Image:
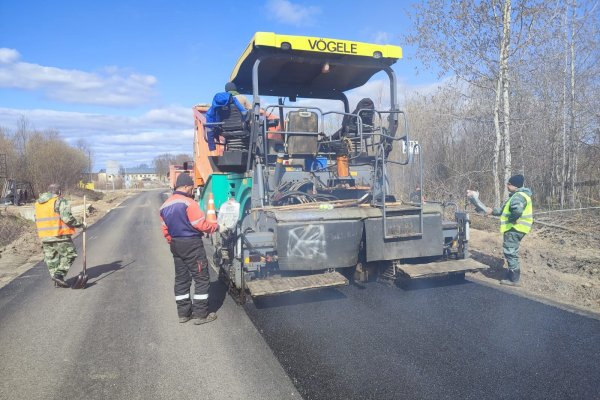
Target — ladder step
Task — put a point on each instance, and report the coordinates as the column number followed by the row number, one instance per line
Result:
column 266, row 287
column 441, row 268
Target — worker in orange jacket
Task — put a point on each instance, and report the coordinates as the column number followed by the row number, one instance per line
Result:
column 183, row 225
column 55, row 225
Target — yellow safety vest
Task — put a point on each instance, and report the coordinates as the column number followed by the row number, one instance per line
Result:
column 525, row 221
column 48, row 221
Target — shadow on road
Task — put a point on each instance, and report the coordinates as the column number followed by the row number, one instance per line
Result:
column 216, row 294
column 289, row 299
column 496, row 264
column 101, row 272
column 427, row 283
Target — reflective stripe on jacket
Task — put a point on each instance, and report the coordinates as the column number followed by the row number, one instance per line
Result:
column 524, row 222
column 48, row 221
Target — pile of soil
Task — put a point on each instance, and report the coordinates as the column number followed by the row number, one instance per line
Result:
column 11, row 228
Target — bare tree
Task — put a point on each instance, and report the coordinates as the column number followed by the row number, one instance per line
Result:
column 473, row 40
column 549, row 127
column 161, row 164
column 86, row 149
column 51, row 160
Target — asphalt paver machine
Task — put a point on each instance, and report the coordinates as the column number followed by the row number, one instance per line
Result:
column 314, row 191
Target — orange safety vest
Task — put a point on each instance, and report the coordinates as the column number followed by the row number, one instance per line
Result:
column 48, row 221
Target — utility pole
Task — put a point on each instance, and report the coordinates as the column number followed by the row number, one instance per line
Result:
column 90, row 165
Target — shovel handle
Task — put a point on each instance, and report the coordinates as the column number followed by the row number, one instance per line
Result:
column 84, row 229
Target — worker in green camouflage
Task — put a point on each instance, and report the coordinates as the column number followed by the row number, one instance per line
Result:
column 56, row 224
column 516, row 219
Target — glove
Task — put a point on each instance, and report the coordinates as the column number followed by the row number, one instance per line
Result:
column 223, row 229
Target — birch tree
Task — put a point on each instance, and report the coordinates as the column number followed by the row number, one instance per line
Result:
column 504, row 83
column 472, row 41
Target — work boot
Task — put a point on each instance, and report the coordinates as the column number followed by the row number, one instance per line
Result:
column 59, row 281
column 183, row 320
column 209, row 318
column 513, row 279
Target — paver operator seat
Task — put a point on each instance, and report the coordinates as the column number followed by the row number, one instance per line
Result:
column 227, row 126
column 365, row 109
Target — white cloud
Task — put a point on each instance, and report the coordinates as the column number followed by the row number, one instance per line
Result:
column 286, row 12
column 169, row 115
column 128, row 140
column 110, row 87
column 8, row 56
column 382, row 38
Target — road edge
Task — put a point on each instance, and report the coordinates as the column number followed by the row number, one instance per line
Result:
column 540, row 299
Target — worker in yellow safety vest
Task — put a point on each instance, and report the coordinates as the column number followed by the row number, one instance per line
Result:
column 55, row 225
column 516, row 219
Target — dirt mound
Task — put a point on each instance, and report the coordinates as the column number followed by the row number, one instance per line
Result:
column 11, row 228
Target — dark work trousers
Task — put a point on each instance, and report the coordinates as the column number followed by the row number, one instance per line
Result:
column 511, row 244
column 190, row 262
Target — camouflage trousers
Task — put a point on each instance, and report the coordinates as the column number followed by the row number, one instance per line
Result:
column 59, row 256
column 512, row 242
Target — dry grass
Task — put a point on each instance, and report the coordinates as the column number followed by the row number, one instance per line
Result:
column 11, row 228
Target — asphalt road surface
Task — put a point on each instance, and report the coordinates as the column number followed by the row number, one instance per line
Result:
column 449, row 340
column 120, row 338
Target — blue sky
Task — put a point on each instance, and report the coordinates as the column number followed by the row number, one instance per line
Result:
column 124, row 75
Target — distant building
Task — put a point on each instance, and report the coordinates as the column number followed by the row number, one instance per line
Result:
column 108, row 181
column 140, row 174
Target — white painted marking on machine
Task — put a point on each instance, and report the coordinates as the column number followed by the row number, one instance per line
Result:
column 307, row 242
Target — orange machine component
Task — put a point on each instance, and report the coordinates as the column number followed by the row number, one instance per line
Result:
column 202, row 166
column 272, row 135
column 342, row 166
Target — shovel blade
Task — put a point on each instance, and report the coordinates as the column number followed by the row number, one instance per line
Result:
column 81, row 281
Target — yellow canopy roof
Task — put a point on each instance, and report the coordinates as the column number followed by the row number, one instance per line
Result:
column 294, row 65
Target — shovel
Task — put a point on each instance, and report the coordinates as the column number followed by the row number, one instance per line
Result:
column 82, row 278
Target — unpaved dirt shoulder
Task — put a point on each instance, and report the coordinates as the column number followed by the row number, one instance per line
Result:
column 23, row 253
column 558, row 268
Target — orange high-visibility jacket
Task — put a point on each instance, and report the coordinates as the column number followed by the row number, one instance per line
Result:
column 48, row 221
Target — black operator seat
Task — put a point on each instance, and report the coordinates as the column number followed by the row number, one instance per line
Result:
column 365, row 109
column 233, row 121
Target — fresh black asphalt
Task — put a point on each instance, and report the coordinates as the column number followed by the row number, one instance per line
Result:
column 448, row 340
